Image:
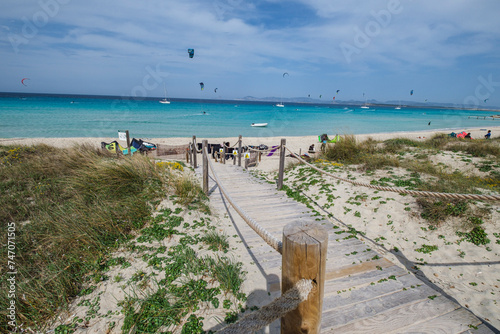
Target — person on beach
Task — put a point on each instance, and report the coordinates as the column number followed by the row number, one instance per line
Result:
column 467, row 136
column 488, row 135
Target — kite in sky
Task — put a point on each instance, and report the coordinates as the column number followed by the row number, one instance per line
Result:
column 202, row 85
column 411, row 93
column 338, row 90
column 286, row 73
column 191, row 53
column 215, row 90
column 22, row 81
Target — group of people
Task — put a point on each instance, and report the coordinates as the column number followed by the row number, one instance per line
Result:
column 486, row 136
column 467, row 135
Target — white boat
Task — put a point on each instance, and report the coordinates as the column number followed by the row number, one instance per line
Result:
column 259, row 124
column 281, row 105
column 165, row 100
column 366, row 102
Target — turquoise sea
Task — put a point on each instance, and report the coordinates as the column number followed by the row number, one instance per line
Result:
column 31, row 116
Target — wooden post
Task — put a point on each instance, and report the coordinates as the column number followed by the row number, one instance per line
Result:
column 305, row 247
column 191, row 154
column 260, row 156
column 246, row 163
column 224, row 154
column 195, row 152
column 128, row 142
column 205, row 166
column 282, row 164
column 239, row 151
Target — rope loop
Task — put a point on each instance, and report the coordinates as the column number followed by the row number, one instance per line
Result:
column 289, row 301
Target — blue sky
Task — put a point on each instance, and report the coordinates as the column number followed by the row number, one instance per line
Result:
column 447, row 51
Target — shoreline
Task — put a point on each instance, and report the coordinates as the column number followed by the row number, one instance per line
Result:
column 294, row 142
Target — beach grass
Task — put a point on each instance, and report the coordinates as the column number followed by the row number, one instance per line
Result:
column 372, row 155
column 71, row 208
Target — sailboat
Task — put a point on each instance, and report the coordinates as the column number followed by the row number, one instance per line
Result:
column 165, row 100
column 365, row 106
column 281, row 105
column 399, row 106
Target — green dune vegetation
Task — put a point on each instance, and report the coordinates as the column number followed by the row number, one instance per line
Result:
column 72, row 209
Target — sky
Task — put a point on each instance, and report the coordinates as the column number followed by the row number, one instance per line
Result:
column 446, row 51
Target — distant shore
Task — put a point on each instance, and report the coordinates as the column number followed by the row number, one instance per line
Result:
column 266, row 100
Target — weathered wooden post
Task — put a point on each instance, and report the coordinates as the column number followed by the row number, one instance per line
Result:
column 195, row 152
column 205, row 166
column 260, row 155
column 282, row 164
column 187, row 155
column 305, row 247
column 224, row 154
column 128, row 142
column 239, row 151
column 191, row 154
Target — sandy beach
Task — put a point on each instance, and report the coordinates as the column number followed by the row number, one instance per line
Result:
column 295, row 143
column 467, row 273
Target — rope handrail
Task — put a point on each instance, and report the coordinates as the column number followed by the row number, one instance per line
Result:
column 289, row 301
column 268, row 237
column 264, row 151
column 402, row 190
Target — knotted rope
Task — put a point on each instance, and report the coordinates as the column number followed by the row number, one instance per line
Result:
column 402, row 190
column 268, row 237
column 276, row 309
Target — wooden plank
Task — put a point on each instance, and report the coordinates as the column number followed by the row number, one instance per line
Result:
column 356, row 293
column 358, row 268
column 454, row 322
column 366, row 318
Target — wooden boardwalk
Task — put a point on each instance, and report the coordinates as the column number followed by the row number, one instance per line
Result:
column 364, row 292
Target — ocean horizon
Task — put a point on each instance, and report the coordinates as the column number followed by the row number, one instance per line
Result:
column 65, row 116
